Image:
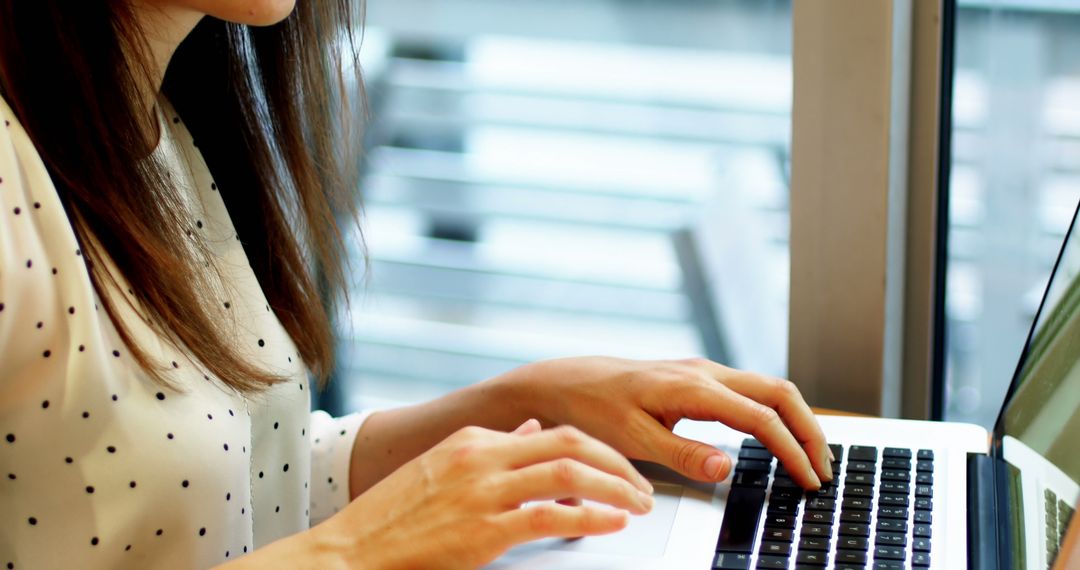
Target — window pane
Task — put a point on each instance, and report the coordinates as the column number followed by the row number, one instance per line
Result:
column 557, row 179
column 1015, row 185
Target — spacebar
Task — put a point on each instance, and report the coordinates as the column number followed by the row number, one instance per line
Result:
column 740, row 519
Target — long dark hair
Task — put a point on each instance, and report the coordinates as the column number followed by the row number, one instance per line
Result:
column 271, row 111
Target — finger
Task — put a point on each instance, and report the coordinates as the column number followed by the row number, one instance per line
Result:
column 555, row 520
column 693, row 459
column 569, row 442
column 784, row 397
column 719, row 403
column 531, row 425
column 568, row 478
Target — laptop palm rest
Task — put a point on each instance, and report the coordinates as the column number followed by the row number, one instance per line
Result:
column 644, row 537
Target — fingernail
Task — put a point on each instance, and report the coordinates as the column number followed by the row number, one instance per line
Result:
column 831, row 456
column 828, row 466
column 814, row 479
column 646, row 501
column 715, row 466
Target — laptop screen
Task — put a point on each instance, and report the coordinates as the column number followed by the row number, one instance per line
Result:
column 1043, row 411
column 1039, row 426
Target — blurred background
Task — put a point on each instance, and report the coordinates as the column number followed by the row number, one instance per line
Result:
column 576, row 177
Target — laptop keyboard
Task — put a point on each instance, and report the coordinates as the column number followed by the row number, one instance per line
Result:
column 876, row 513
column 1058, row 516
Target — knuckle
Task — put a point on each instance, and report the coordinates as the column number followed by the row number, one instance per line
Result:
column 765, row 415
column 787, row 389
column 464, row 456
column 569, row 435
column 470, row 432
column 684, row 455
column 564, row 473
column 542, row 519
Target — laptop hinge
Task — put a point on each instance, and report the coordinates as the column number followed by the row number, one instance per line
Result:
column 982, row 513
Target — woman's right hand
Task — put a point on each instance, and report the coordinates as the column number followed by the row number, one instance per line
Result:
column 463, row 503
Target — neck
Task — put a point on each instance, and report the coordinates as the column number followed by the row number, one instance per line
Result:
column 165, row 27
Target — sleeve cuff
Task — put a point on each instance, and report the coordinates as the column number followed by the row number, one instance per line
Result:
column 331, row 456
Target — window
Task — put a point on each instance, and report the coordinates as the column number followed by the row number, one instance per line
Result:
column 557, row 179
column 1014, row 186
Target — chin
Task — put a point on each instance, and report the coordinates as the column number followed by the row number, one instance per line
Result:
column 249, row 12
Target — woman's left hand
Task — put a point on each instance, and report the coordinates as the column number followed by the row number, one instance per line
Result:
column 634, row 405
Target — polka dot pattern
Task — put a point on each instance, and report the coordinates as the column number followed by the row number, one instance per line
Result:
column 101, row 466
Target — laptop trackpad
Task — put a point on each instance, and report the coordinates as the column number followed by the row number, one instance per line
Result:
column 643, row 537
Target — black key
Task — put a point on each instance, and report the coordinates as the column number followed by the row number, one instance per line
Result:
column 780, row 521
column 750, row 479
column 859, row 491
column 888, row 565
column 785, row 494
column 892, row 513
column 821, row 505
column 924, row 478
column 924, row 504
column 784, row 483
column 920, row 544
column 819, row 530
column 927, row 454
column 854, row 529
column 891, row 539
column 853, row 543
column 924, row 491
column 850, row 557
column 731, row 561
column 855, row 516
column 751, row 442
column 755, row 453
column 849, row 567
column 776, row 548
column 778, row 534
column 837, row 451
column 860, row 479
column 861, row 467
column 817, row 517
column 925, row 466
column 825, row 492
column 920, row 559
column 856, row 504
column 899, row 452
column 894, row 487
column 814, row 543
column 882, row 551
column 894, row 475
column 862, row 453
column 896, row 463
column 893, row 500
column 891, row 525
column 741, row 517
column 922, row 530
column 753, row 465
column 779, row 562
column 782, row 471
column 783, row 508
column 812, row 557
column 924, row 517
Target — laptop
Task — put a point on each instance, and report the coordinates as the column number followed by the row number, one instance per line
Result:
column 908, row 494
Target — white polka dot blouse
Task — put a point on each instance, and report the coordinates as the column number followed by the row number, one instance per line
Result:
column 100, row 466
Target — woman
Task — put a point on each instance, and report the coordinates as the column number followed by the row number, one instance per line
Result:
column 159, row 318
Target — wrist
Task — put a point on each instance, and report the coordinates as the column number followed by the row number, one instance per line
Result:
column 523, row 393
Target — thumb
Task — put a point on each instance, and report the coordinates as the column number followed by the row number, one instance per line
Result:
column 691, row 458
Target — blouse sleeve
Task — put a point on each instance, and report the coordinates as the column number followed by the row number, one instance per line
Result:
column 331, row 454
